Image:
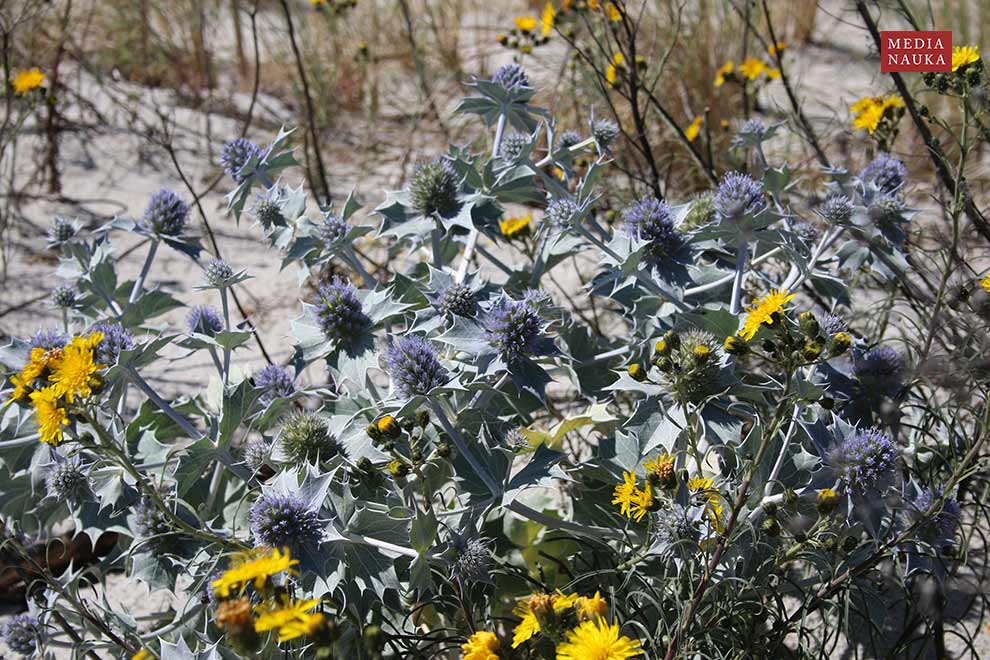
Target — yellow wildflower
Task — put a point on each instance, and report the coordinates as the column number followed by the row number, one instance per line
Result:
column 525, row 23
column 963, row 55
column 75, row 373
column 691, row 132
column 599, row 640
column 752, row 68
column 28, row 80
column 143, row 654
column 773, row 74
column 613, row 12
column 985, row 283
column 662, row 466
column 512, row 227
column 633, row 501
column 482, row 645
column 274, row 616
column 762, row 311
column 234, row 613
column 51, row 417
column 778, row 47
column 40, row 361
column 593, row 5
column 697, row 484
column 722, row 72
column 612, row 71
column 869, row 110
column 254, row 566
column 306, row 625
column 590, row 609
column 545, row 605
column 546, row 19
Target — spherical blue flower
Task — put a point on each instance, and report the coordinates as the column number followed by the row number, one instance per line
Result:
column 21, row 634
column 204, row 320
column 284, row 521
column 560, row 212
column 604, row 130
column 837, row 209
column 339, row 311
column 333, row 231
column 116, row 338
column 48, row 339
column 515, row 330
column 235, row 155
column 472, row 560
column 511, row 77
column 149, row 521
column 218, row 273
column 831, row 324
column 738, row 195
column 940, row 529
column 434, row 187
column 166, row 214
column 512, row 146
column 414, row 367
column 651, row 220
column 673, row 524
column 886, row 172
column 61, row 230
column 67, row 482
column 64, row 296
column 863, row 459
column 255, row 453
column 275, row 382
column 879, row 370
column 306, row 438
column 459, row 300
column 267, row 210
column 568, row 139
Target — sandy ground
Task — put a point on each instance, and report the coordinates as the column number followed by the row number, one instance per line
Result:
column 115, row 172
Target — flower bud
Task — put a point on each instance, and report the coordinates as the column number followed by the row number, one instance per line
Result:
column 735, row 345
column 389, row 427
column 839, row 344
column 771, row 527
column 808, row 324
column 636, row 372
column 812, row 351
column 826, row 501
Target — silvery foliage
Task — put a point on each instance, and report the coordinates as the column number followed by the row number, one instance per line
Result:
column 372, row 539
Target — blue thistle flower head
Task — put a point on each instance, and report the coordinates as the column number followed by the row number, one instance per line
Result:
column 837, row 209
column 284, row 521
column 275, row 382
column 512, row 146
column 48, row 339
column 472, row 560
column 651, row 220
column 255, row 453
column 434, row 187
column 61, row 230
column 64, row 296
column 21, row 634
column 166, row 214
column 940, row 529
column 66, row 481
column 116, row 338
column 235, row 155
column 831, row 324
column 218, row 273
column 339, row 312
column 862, row 459
column 738, row 195
column 604, row 131
column 560, row 212
column 885, row 172
column 204, row 320
column 333, row 231
column 511, row 77
column 515, row 330
column 879, row 370
column 149, row 521
column 458, row 300
column 568, row 139
column 413, row 365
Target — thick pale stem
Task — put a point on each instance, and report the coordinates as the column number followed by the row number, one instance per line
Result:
column 742, row 253
column 139, row 283
column 162, row 405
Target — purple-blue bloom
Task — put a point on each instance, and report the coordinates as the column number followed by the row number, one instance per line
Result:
column 414, row 368
column 333, row 231
column 940, row 529
column 166, row 214
column 116, row 338
column 511, row 77
column 459, row 300
column 339, row 311
column 837, row 209
column 275, row 382
column 738, row 195
column 48, row 339
column 879, row 370
column 650, row 220
column 515, row 330
column 21, row 634
column 235, row 155
column 887, row 172
column 560, row 212
column 204, row 320
column 862, row 459
column 284, row 521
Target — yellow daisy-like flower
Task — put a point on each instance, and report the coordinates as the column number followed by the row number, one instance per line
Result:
column 662, row 466
column 546, row 604
column 525, row 23
column 546, row 19
column 985, row 283
column 612, row 12
column 963, row 55
column 590, row 609
column 722, row 72
column 691, row 132
column 75, row 373
column 752, row 68
column 512, row 227
column 869, row 111
column 143, row 654
column 482, row 645
column 773, row 74
column 275, row 616
column 598, row 640
column 697, row 484
column 633, row 502
column 778, row 47
column 28, row 80
column 306, row 625
column 51, row 417
column 713, row 507
column 762, row 311
column 612, row 71
column 40, row 361
column 254, row 566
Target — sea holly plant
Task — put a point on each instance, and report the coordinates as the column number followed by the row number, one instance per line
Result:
column 458, row 460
